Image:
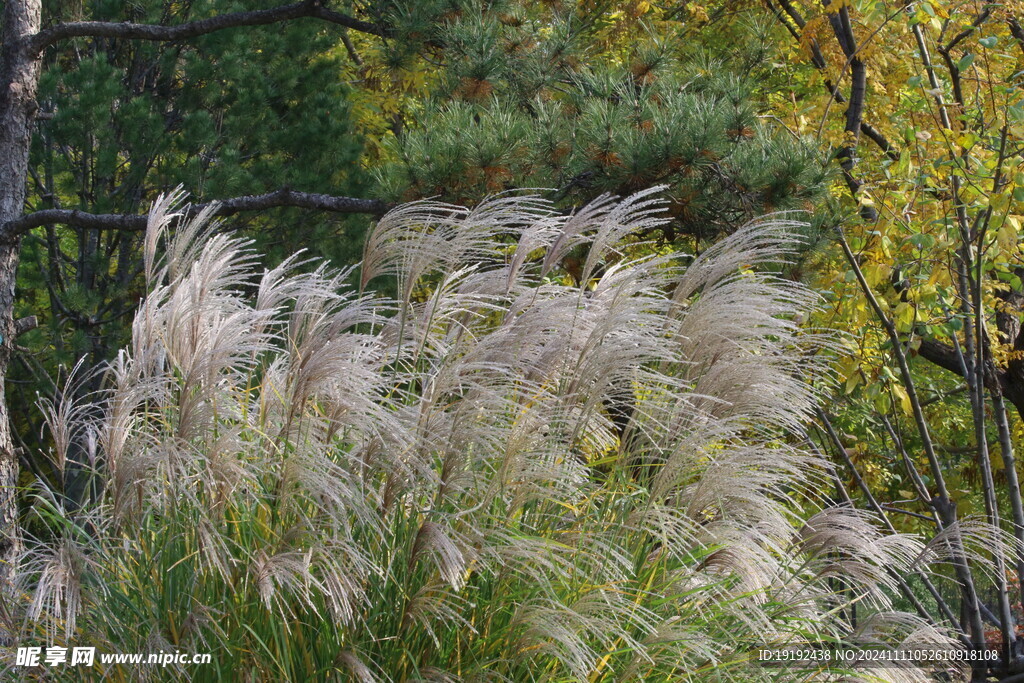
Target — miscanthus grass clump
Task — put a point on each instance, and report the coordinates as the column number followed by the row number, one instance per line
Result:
column 501, row 474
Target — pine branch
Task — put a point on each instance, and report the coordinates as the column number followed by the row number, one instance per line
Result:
column 23, row 325
column 192, row 29
column 227, row 207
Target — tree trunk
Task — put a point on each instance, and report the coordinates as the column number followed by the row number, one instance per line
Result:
column 19, row 77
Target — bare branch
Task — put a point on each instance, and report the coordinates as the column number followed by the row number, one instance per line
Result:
column 1006, row 382
column 891, row 508
column 818, row 59
column 351, row 49
column 23, row 325
column 975, row 25
column 940, row 354
column 1016, row 31
column 192, row 29
column 875, row 136
column 226, row 207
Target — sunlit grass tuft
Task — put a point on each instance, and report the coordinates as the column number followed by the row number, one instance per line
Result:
column 503, row 475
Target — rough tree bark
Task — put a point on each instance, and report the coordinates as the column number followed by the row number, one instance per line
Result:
column 19, row 78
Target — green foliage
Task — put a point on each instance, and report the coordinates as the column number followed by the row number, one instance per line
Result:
column 236, row 112
column 521, row 104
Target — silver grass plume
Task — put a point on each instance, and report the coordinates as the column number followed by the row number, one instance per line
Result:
column 505, row 474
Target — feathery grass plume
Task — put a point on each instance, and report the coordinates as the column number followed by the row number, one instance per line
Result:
column 900, row 633
column 975, row 537
column 507, row 474
column 844, row 543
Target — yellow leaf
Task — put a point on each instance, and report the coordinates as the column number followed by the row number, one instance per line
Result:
column 851, row 382
column 903, row 316
column 875, row 273
column 905, row 404
column 1007, row 235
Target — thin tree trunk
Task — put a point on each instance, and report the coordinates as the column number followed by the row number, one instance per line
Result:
column 942, row 503
column 1012, row 481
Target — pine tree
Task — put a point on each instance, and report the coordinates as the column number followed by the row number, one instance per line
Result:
column 237, row 112
column 581, row 104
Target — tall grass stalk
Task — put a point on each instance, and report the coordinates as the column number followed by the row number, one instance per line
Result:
column 505, row 474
